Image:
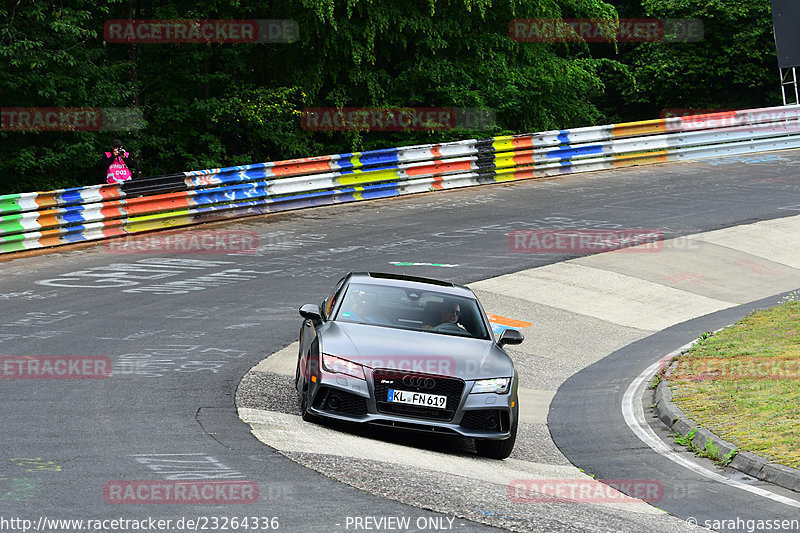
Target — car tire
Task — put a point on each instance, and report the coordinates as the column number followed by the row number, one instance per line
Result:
column 304, row 414
column 498, row 449
column 302, row 389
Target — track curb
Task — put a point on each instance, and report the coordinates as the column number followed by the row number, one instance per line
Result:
column 747, row 462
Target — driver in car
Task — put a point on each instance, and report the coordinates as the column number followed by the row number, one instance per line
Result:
column 448, row 319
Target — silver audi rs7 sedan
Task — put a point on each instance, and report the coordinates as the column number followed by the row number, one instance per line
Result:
column 409, row 353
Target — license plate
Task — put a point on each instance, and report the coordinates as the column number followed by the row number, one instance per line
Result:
column 417, row 398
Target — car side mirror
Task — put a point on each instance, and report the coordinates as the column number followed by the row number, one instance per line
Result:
column 311, row 312
column 510, row 336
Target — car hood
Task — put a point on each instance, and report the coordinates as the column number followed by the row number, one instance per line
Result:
column 421, row 351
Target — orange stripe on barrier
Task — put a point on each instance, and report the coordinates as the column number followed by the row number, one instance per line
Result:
column 524, row 158
column 112, row 210
column 111, row 192
column 513, row 176
column 300, row 168
column 510, row 322
column 644, row 127
column 152, row 204
column 523, row 142
column 48, row 219
column 114, row 228
column 46, row 199
column 51, row 237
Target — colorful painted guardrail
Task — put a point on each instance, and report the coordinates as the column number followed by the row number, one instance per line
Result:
column 42, row 219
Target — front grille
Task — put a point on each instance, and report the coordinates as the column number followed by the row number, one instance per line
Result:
column 341, row 402
column 486, row 420
column 385, row 379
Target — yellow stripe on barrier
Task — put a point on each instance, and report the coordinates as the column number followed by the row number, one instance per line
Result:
column 158, row 221
column 512, row 174
column 647, row 158
column 359, row 176
column 503, row 144
column 644, row 127
column 505, row 160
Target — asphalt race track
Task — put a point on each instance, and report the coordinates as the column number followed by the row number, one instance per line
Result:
column 180, row 331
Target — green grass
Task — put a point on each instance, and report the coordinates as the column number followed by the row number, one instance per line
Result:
column 743, row 383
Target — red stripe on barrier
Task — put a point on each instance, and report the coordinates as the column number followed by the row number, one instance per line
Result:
column 114, row 228
column 523, row 159
column 112, row 209
column 522, row 142
column 301, row 166
column 111, row 192
column 153, row 204
column 439, row 167
column 523, row 174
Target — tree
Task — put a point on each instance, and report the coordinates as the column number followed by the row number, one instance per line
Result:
column 53, row 56
column 734, row 66
column 210, row 105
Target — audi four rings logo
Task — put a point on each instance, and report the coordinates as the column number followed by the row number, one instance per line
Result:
column 419, row 382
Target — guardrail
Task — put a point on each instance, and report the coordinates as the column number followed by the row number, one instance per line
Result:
column 65, row 216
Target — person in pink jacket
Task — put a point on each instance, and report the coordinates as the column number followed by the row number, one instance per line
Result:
column 116, row 164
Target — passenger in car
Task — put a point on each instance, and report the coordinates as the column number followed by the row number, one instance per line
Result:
column 363, row 307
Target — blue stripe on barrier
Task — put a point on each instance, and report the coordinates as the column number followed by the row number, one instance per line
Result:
column 252, row 174
column 232, row 193
column 377, row 157
column 73, row 215
column 369, row 195
column 563, row 137
column 346, row 161
column 72, row 196
column 211, row 208
column 569, row 153
column 74, row 234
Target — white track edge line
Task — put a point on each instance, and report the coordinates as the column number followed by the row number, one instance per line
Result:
column 634, row 416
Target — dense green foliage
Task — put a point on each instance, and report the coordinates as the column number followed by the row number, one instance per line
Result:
column 212, row 105
column 734, row 66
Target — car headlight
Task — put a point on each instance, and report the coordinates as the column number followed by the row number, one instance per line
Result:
column 497, row 385
column 337, row 365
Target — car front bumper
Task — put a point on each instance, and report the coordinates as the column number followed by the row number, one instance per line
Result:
column 484, row 416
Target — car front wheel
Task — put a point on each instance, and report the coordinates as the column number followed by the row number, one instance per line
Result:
column 302, row 387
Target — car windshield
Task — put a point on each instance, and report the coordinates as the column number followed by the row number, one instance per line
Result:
column 398, row 307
